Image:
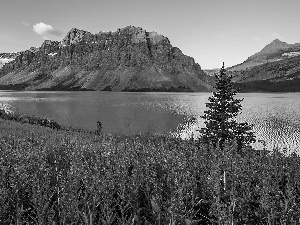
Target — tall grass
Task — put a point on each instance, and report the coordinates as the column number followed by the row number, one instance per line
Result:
column 50, row 176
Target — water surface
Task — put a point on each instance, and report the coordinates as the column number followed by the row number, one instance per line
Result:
column 276, row 117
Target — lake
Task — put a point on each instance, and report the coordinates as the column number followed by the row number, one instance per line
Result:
column 276, row 117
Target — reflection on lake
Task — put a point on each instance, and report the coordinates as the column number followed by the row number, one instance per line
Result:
column 276, row 117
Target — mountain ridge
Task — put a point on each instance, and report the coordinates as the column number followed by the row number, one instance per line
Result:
column 275, row 51
column 276, row 68
column 129, row 59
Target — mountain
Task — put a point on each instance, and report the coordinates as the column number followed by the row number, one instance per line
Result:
column 129, row 59
column 7, row 57
column 275, row 51
column 212, row 72
column 280, row 76
column 276, row 68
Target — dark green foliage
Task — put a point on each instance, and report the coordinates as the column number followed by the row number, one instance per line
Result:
column 99, row 127
column 269, row 86
column 223, row 108
column 163, row 88
column 278, row 76
column 67, row 177
column 45, row 122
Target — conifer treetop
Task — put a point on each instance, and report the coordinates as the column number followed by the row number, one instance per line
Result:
column 220, row 118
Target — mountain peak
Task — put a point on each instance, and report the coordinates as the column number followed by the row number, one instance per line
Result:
column 74, row 36
column 48, row 42
column 277, row 41
column 74, row 29
column 274, row 46
column 274, row 51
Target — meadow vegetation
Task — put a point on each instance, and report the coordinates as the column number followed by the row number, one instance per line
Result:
column 50, row 176
column 53, row 175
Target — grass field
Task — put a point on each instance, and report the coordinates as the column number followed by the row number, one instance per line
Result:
column 52, row 176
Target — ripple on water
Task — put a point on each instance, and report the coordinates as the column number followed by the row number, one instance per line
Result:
column 275, row 117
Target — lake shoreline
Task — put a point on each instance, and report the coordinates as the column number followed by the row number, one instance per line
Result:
column 142, row 90
column 43, row 122
column 275, row 117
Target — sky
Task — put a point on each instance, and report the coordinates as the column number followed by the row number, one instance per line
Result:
column 210, row 31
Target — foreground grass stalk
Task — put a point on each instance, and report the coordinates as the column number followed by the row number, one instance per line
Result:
column 68, row 177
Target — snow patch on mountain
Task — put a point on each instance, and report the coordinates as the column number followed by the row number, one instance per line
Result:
column 4, row 60
column 291, row 54
column 52, row 54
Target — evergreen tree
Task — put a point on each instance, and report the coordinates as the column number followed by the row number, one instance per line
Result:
column 223, row 108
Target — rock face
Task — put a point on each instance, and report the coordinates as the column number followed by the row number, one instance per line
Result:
column 7, row 57
column 129, row 59
column 74, row 36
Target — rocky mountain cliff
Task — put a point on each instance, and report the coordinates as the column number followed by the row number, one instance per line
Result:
column 7, row 57
column 129, row 59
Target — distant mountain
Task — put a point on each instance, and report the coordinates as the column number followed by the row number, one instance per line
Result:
column 212, row 72
column 275, row 51
column 276, row 68
column 280, row 76
column 129, row 59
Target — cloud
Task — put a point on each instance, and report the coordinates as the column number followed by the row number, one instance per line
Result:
column 25, row 23
column 276, row 35
column 46, row 30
